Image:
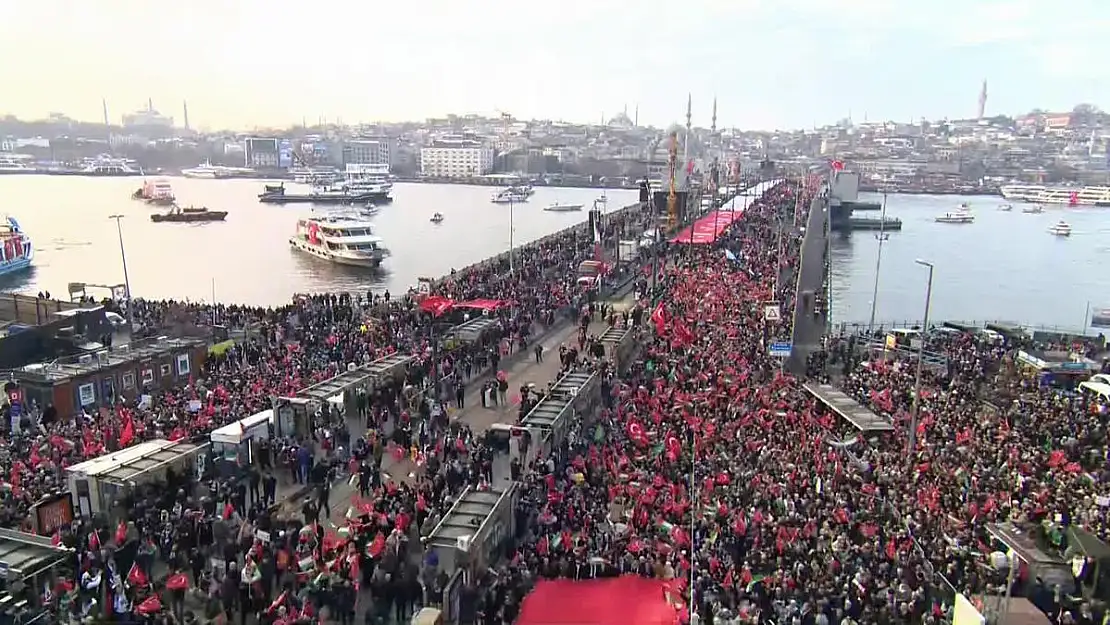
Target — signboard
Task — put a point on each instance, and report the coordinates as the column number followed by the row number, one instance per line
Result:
column 53, row 514
column 285, row 154
column 781, row 349
column 771, row 312
column 891, row 341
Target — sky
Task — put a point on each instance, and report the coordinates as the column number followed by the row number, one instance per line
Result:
column 771, row 64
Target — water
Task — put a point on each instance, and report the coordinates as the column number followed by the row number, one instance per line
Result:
column 247, row 259
column 1005, row 266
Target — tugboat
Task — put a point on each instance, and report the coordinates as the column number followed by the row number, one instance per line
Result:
column 188, row 215
column 437, row 218
column 157, row 192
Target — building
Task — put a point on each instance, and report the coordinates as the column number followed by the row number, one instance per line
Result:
column 147, row 118
column 375, row 151
column 456, row 160
column 261, row 152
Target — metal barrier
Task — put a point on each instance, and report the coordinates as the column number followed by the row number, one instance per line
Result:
column 619, row 344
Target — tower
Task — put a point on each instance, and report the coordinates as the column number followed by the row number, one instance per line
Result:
column 713, row 128
column 686, row 139
column 983, row 99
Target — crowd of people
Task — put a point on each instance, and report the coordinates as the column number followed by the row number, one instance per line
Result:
column 185, row 535
column 707, row 465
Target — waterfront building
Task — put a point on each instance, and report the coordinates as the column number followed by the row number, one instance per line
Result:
column 456, row 159
column 367, row 151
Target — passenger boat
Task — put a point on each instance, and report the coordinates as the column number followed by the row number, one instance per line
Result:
column 316, row 176
column 276, row 194
column 960, row 216
column 512, row 195
column 563, row 208
column 341, row 239
column 1060, row 229
column 16, row 164
column 208, row 171
column 1035, row 209
column 188, row 214
column 16, row 250
column 105, row 166
column 367, row 178
column 158, row 192
column 437, row 218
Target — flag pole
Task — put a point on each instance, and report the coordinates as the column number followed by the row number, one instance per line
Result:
column 693, row 515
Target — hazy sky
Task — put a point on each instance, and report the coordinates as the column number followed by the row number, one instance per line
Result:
column 771, row 63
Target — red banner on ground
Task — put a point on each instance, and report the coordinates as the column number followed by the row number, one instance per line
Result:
column 612, row 601
column 708, row 228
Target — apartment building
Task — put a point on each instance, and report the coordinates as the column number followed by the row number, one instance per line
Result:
column 456, row 159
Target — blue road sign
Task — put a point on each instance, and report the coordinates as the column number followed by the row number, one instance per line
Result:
column 781, row 349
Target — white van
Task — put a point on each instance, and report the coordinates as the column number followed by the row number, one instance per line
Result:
column 1099, row 389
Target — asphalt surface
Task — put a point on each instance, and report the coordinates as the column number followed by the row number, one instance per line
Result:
column 809, row 329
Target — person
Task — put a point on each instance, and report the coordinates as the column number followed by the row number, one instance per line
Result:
column 538, row 350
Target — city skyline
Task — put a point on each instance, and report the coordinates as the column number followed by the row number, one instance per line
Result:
column 259, row 66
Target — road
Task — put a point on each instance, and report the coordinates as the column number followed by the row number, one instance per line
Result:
column 808, row 328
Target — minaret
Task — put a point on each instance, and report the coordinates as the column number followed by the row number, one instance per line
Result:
column 983, row 99
column 104, row 105
column 713, row 128
column 636, row 116
column 686, row 139
column 185, row 113
column 150, row 105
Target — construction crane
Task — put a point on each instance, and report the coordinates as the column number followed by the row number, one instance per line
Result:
column 672, row 194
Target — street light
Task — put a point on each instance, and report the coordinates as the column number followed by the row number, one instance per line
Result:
column 878, row 266
column 126, row 279
column 920, row 357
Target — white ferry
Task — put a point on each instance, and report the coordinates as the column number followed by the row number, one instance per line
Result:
column 367, row 178
column 341, row 239
column 16, row 164
column 208, row 171
column 316, row 176
column 512, row 195
column 1069, row 195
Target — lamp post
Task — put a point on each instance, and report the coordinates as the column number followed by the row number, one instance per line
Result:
column 920, row 357
column 126, row 279
column 511, row 229
column 878, row 266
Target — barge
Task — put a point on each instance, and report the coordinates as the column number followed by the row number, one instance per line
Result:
column 276, row 194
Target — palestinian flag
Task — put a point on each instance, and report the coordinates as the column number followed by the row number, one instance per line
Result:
column 756, row 579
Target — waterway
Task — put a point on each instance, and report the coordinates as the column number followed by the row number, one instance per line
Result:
column 1003, row 267
column 247, row 258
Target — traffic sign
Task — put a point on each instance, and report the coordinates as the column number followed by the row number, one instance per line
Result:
column 771, row 312
column 782, row 349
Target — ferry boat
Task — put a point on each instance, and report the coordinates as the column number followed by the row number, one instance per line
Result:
column 367, row 178
column 157, row 192
column 107, row 166
column 1035, row 209
column 16, row 164
column 16, row 251
column 276, row 194
column 1060, row 229
column 512, row 195
column 563, row 208
column 208, row 171
column 960, row 216
column 316, row 176
column 1021, row 192
column 1069, row 195
column 341, row 239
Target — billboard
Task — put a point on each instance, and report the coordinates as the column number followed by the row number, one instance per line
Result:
column 285, row 154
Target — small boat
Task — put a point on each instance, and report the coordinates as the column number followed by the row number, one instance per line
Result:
column 512, row 195
column 188, row 215
column 1006, row 207
column 370, row 210
column 563, row 208
column 1060, row 229
column 1035, row 209
column 437, row 218
column 965, row 206
column 960, row 216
